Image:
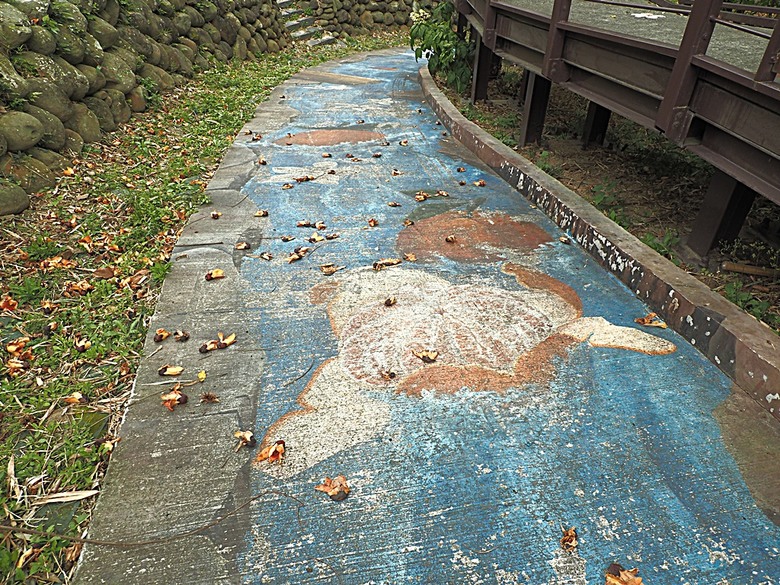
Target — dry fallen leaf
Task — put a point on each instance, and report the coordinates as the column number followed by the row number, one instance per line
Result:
column 326, row 155
column 261, row 213
column 393, row 204
column 421, row 196
column 287, row 238
column 373, row 222
column 461, row 183
column 651, row 320
column 16, row 346
column 209, row 398
column 50, row 328
column 173, row 398
column 46, row 306
column 245, row 439
column 377, row 155
column 304, row 223
column 267, row 256
column 387, row 375
column 336, row 488
column 330, row 269
column 361, row 121
column 403, row 142
column 410, row 257
column 320, row 225
column 169, row 370
column 450, row 239
column 82, row 344
column 215, row 274
column 243, row 246
column 384, row 143
column 569, row 540
column 408, row 222
column 333, row 236
column 76, row 398
column 273, row 453
column 383, row 263
column 442, row 193
column 208, row 346
column 396, row 173
column 617, row 575
column 287, row 186
column 428, row 356
column 161, row 335
column 390, row 301
column 564, row 240
column 304, row 179
column 461, row 169
column 181, row 336
column 298, row 253
column 480, row 183
column 225, row 341
column 104, row 272
column 315, row 238
column 216, row 214
column 202, row 376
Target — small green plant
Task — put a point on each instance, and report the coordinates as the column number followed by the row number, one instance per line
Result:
column 450, row 56
column 736, row 293
column 604, row 195
column 151, row 92
column 665, row 245
column 543, row 162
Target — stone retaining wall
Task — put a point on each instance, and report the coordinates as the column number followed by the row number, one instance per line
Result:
column 347, row 17
column 72, row 69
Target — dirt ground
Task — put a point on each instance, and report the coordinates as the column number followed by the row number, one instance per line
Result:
column 646, row 184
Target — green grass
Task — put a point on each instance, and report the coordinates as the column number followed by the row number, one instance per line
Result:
column 123, row 207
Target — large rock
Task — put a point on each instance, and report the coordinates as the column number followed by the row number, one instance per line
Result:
column 13, row 198
column 85, row 123
column 70, row 45
column 68, row 14
column 137, row 99
column 161, row 78
column 208, row 10
column 12, row 84
column 73, row 142
column 14, row 27
column 93, row 51
column 53, row 161
column 133, row 39
column 118, row 73
column 102, row 112
column 182, row 22
column 21, row 130
column 41, row 41
column 110, row 13
column 32, row 8
column 119, row 106
column 53, row 130
column 104, row 32
column 62, row 73
column 47, row 95
column 97, row 80
column 29, row 173
column 196, row 18
column 74, row 77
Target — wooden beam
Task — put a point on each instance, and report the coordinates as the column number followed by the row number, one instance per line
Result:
column 537, row 95
column 596, row 122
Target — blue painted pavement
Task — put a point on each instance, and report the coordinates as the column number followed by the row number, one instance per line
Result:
column 455, row 480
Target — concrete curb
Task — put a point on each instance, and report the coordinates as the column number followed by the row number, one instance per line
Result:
column 745, row 349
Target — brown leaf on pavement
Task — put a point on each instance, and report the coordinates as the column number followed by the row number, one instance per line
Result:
column 336, row 488
column 216, row 214
column 651, row 320
column 267, row 256
column 243, row 246
column 215, row 274
column 396, row 173
column 173, row 398
column 225, row 341
column 273, row 453
column 410, row 257
column 304, row 179
column 373, row 222
column 450, row 239
column 404, row 142
column 287, row 186
column 315, row 238
column 442, row 193
column 320, row 225
column 387, row 375
column 181, row 336
column 304, row 223
column 569, row 541
column 421, row 196
column 245, row 439
column 390, row 301
column 408, row 222
column 326, row 155
column 330, row 269
column 169, row 370
column 209, row 398
column 461, row 169
column 161, row 335
column 393, row 204
column 428, row 356
column 480, row 183
column 333, row 236
column 617, row 575
column 261, row 213
column 383, row 263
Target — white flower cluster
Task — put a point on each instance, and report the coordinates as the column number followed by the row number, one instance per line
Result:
column 419, row 15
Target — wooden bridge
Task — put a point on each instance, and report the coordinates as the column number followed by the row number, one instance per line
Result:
column 703, row 73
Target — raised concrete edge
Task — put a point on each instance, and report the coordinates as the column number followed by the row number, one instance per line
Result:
column 743, row 348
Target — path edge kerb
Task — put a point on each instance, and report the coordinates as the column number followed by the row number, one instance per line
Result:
column 743, row 348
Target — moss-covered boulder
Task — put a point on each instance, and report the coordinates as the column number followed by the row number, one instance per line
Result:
column 120, row 109
column 41, row 41
column 73, row 142
column 118, row 73
column 13, row 199
column 14, row 27
column 102, row 112
column 105, row 33
column 70, row 45
column 97, row 80
column 85, row 123
column 32, row 8
column 47, row 95
column 12, row 85
column 93, row 53
column 110, row 13
column 161, row 78
column 74, row 78
column 21, row 130
column 53, row 130
column 29, row 173
column 3, row 145
column 53, row 161
column 68, row 14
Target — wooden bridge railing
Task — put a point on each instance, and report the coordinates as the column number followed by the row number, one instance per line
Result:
column 726, row 115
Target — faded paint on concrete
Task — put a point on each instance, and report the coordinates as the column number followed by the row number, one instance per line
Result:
column 471, row 484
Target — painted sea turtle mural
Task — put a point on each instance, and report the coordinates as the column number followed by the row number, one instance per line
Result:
column 406, row 330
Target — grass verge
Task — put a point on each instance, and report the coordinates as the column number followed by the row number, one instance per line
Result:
column 80, row 273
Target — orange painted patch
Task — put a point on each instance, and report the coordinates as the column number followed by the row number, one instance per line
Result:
column 478, row 237
column 540, row 281
column 330, row 137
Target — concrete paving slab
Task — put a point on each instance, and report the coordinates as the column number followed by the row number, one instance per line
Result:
column 479, row 394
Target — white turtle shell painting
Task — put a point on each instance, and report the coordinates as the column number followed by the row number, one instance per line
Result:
column 404, row 329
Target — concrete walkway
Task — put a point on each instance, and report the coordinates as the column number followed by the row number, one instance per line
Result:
column 475, row 376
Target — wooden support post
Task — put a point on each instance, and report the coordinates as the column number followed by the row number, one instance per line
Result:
column 674, row 116
column 537, row 94
column 483, row 61
column 770, row 62
column 461, row 26
column 722, row 213
column 553, row 67
column 596, row 122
